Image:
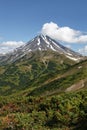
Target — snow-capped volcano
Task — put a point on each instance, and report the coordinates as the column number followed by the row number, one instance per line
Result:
column 41, row 43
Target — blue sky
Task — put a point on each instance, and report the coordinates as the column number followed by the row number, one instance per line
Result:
column 21, row 20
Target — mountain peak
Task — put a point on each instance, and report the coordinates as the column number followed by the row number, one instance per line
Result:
column 40, row 43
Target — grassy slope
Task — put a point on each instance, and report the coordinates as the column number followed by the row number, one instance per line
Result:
column 75, row 74
column 33, row 94
column 33, row 71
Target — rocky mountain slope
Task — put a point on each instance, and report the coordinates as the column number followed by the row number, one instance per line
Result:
column 39, row 43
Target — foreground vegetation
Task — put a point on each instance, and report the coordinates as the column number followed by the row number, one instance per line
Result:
column 60, row 112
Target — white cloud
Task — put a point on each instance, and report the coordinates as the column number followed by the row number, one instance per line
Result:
column 68, row 45
column 83, row 50
column 64, row 34
column 8, row 46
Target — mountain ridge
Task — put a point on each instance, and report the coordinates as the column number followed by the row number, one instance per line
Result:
column 40, row 43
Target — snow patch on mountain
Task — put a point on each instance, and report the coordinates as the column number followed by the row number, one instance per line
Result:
column 72, row 58
column 38, row 42
column 52, row 48
column 69, row 54
column 41, row 43
column 40, row 48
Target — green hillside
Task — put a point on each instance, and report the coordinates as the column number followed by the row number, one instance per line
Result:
column 43, row 91
column 32, row 71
